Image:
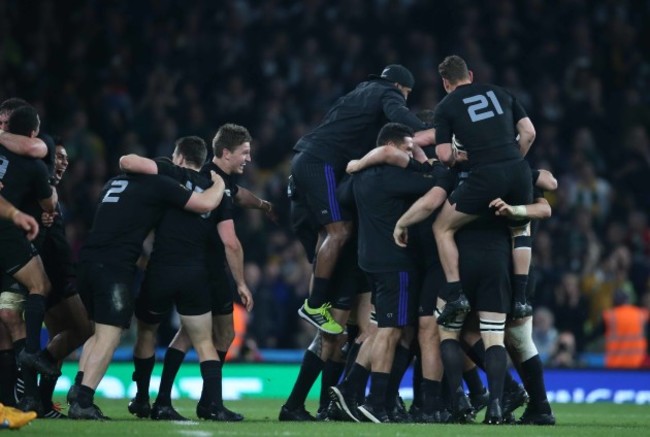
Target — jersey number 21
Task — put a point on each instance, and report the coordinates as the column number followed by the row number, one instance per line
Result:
column 479, row 107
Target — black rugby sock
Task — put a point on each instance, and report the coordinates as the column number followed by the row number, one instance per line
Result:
column 430, row 395
column 211, row 374
column 452, row 359
column 332, row 371
column 496, row 369
column 79, row 377
column 417, row 382
column 8, row 375
column 401, row 363
column 172, row 363
column 142, row 375
column 311, row 367
column 378, row 389
column 34, row 315
column 353, row 353
column 319, row 293
column 477, row 354
column 533, row 376
column 357, row 381
column 46, row 390
column 222, row 356
column 473, row 381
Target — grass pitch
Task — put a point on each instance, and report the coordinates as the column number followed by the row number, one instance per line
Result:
column 591, row 420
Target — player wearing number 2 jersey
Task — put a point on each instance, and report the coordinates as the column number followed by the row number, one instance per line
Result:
column 130, row 207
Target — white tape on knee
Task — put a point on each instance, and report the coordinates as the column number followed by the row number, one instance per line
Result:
column 12, row 301
column 520, row 337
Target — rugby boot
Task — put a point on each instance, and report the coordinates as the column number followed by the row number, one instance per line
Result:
column 493, row 414
column 140, row 407
column 217, row 413
column 295, row 415
column 72, row 394
column 345, row 400
column 31, row 403
column 513, row 399
column 90, row 413
column 479, row 400
column 521, row 310
column 320, row 317
column 537, row 415
column 36, row 361
column 463, row 411
column 452, row 309
column 53, row 411
column 13, row 418
column 166, row 412
column 374, row 413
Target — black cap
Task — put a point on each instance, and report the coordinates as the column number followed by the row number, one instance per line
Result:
column 396, row 73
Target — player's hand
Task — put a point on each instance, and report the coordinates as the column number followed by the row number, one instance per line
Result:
column 501, row 208
column 269, row 211
column 1, row 186
column 246, row 297
column 27, row 223
column 353, row 166
column 461, row 156
column 48, row 218
column 401, row 236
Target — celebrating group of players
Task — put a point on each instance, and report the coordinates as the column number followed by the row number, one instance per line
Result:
column 186, row 202
column 443, row 245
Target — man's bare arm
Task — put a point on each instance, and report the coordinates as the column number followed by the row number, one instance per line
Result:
column 235, row 259
column 425, row 138
column 133, row 163
column 377, row 156
column 22, row 145
column 546, row 181
column 421, row 209
column 526, row 135
column 208, row 200
column 540, row 209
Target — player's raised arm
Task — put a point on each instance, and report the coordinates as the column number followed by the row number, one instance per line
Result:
column 208, row 200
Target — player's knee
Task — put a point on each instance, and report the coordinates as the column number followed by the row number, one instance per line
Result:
column 492, row 331
column 11, row 302
column 520, row 338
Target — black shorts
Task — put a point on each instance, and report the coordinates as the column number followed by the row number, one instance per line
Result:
column 15, row 250
column 395, row 296
column 433, row 281
column 106, row 291
column 222, row 291
column 57, row 260
column 511, row 181
column 187, row 287
column 348, row 280
column 485, row 271
column 316, row 184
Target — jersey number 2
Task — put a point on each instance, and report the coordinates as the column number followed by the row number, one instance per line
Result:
column 4, row 163
column 112, row 195
column 479, row 110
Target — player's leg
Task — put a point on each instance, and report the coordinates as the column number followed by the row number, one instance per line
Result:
column 316, row 183
column 68, row 327
column 521, row 257
column 519, row 340
column 109, row 302
column 32, row 276
column 144, row 359
column 492, row 327
column 8, row 369
column 174, row 356
column 313, row 362
column 451, row 300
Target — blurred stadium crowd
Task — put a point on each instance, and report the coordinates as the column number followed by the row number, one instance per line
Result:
column 117, row 77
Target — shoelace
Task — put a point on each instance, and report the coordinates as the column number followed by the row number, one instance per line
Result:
column 324, row 311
